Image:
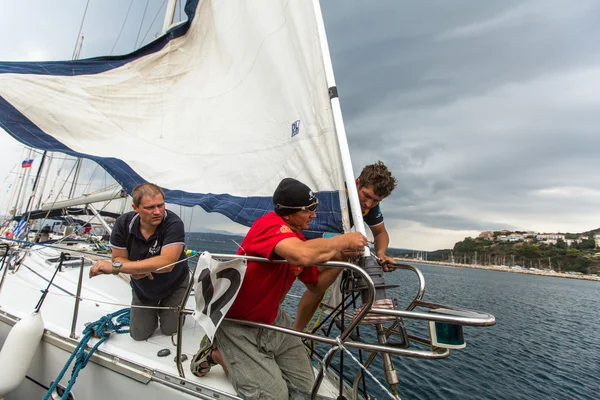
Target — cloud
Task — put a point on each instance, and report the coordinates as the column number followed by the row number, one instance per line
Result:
column 486, row 112
column 481, row 113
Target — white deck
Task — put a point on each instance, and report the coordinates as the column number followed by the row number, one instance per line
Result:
column 22, row 290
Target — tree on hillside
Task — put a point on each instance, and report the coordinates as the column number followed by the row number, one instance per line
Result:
column 587, row 244
column 529, row 251
column 466, row 246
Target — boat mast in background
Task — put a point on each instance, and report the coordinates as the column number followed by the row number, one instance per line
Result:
column 22, row 186
column 169, row 15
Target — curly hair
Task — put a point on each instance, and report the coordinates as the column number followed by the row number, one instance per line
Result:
column 145, row 189
column 379, row 178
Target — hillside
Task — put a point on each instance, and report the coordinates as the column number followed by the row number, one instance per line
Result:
column 560, row 252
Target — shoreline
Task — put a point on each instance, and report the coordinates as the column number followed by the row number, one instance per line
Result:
column 503, row 269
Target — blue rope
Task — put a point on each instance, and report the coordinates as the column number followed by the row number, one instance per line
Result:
column 101, row 328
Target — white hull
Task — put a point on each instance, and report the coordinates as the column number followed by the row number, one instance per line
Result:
column 121, row 367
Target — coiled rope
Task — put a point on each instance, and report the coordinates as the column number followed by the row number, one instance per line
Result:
column 101, row 328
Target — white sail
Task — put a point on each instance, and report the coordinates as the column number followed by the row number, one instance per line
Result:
column 216, row 112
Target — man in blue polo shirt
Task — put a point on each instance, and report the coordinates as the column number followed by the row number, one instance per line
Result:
column 374, row 184
column 148, row 243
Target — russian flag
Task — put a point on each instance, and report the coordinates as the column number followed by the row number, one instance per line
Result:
column 27, row 163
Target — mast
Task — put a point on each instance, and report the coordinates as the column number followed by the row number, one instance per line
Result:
column 43, row 187
column 169, row 16
column 19, row 202
column 75, row 178
column 36, row 182
column 339, row 125
column 76, row 54
column 367, row 263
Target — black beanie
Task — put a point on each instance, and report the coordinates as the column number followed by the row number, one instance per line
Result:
column 292, row 193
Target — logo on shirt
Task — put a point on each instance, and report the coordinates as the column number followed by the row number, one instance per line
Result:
column 296, row 270
column 285, row 229
column 155, row 249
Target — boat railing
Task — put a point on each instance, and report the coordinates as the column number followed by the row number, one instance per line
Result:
column 337, row 264
column 451, row 316
column 459, row 317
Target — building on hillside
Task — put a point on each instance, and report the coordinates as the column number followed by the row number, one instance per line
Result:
column 530, row 234
column 597, row 240
column 571, row 242
column 549, row 241
column 514, row 237
column 550, row 236
column 487, row 235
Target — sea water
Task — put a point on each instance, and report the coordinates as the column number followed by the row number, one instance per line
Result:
column 545, row 344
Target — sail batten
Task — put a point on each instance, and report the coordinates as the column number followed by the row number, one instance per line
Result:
column 216, row 112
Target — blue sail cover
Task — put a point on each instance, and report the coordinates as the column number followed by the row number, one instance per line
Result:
column 216, row 111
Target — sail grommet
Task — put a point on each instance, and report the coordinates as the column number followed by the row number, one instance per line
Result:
column 333, row 92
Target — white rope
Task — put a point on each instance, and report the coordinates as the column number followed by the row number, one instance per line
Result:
column 341, row 346
column 37, row 289
column 177, row 262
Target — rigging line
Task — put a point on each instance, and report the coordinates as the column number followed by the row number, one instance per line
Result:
column 56, row 247
column 93, row 254
column 122, row 27
column 14, row 191
column 49, row 281
column 89, row 221
column 189, row 225
column 141, row 24
column 80, row 29
column 153, row 21
column 340, row 346
column 110, row 303
column 91, row 179
column 56, row 199
column 70, row 295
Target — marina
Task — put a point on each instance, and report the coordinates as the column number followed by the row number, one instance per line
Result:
column 516, row 269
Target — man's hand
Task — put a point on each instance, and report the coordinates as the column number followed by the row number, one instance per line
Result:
column 385, row 262
column 355, row 243
column 140, row 276
column 101, row 267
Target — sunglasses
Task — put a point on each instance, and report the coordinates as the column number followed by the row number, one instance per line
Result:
column 311, row 207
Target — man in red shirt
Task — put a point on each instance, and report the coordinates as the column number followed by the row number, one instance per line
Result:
column 263, row 363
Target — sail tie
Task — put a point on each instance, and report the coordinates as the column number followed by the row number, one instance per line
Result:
column 101, row 328
column 341, row 346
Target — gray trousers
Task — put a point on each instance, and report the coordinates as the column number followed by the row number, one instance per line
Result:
column 144, row 321
column 264, row 364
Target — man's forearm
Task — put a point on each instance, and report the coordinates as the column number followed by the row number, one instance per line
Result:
column 382, row 240
column 151, row 264
column 320, row 250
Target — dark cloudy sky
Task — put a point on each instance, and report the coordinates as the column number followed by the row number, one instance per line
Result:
column 485, row 111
